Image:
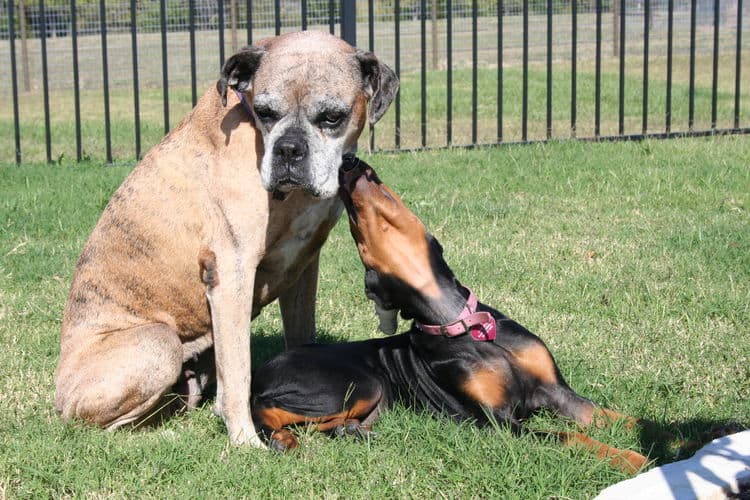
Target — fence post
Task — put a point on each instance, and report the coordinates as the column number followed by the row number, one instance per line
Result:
column 434, row 19
column 349, row 21
column 233, row 24
column 616, row 27
column 349, row 25
column 24, row 45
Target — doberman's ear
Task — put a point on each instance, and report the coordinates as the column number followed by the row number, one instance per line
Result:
column 380, row 83
column 239, row 70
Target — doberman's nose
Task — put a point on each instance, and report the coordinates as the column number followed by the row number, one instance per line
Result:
column 352, row 168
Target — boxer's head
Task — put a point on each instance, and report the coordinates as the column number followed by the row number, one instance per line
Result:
column 308, row 92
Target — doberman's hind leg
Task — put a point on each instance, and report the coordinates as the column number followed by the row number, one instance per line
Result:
column 358, row 419
column 361, row 428
column 274, row 420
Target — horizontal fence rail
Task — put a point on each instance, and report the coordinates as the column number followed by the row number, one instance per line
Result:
column 106, row 79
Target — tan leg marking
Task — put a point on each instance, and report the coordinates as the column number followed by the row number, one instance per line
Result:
column 603, row 417
column 277, row 418
column 624, row 460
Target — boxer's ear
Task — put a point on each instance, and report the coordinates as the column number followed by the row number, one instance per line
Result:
column 380, row 83
column 238, row 71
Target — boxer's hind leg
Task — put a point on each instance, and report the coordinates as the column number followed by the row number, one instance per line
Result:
column 119, row 377
column 197, row 382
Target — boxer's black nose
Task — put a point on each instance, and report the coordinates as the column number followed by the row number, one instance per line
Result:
column 291, row 147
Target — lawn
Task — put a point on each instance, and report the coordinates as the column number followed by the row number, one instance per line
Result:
column 631, row 260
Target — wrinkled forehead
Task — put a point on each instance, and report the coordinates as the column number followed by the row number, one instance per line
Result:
column 306, row 75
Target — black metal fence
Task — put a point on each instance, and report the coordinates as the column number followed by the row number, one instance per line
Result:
column 106, row 79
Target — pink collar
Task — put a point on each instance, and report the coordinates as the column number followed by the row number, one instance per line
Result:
column 480, row 324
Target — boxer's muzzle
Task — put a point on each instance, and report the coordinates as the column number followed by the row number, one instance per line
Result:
column 290, row 157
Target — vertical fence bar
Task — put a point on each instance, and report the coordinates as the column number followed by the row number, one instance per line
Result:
column 598, row 71
column 549, row 69
column 136, row 98
column 277, row 16
column 249, row 8
column 474, row 64
column 14, row 80
column 423, row 69
column 670, row 37
column 691, row 91
column 303, row 14
column 573, row 67
column 715, row 69
column 45, row 82
column 397, row 48
column 24, row 45
column 738, row 66
column 621, row 95
column 371, row 48
column 193, row 70
column 525, row 81
column 646, row 29
column 105, row 78
column 331, row 17
column 76, row 78
column 500, row 8
column 348, row 15
column 222, row 57
column 164, row 63
column 449, row 72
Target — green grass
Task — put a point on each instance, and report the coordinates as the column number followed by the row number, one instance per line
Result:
column 631, row 260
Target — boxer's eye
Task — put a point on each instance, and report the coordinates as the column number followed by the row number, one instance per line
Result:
column 265, row 114
column 331, row 119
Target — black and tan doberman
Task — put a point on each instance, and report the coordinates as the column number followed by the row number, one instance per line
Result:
column 460, row 357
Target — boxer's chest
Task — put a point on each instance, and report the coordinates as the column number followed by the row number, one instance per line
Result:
column 292, row 243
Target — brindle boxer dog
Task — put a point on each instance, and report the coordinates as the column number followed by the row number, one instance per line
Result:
column 243, row 188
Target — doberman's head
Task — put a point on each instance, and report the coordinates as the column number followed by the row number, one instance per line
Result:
column 404, row 266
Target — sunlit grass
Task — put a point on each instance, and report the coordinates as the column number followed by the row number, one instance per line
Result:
column 631, row 260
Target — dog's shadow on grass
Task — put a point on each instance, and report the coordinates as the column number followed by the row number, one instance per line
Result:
column 264, row 346
column 267, row 344
column 667, row 442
